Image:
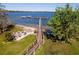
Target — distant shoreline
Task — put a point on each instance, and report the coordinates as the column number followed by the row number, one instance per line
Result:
column 28, row 11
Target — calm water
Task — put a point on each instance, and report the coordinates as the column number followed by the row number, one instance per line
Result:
column 14, row 16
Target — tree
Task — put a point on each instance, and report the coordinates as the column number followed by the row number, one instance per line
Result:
column 4, row 19
column 64, row 23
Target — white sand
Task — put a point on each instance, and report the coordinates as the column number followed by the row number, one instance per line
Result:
column 26, row 27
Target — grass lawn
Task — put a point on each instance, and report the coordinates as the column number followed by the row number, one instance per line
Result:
column 15, row 47
column 40, row 51
column 57, row 48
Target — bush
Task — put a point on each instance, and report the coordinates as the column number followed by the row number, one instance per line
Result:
column 65, row 23
column 9, row 36
column 10, row 27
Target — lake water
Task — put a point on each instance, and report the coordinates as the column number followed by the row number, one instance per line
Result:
column 14, row 16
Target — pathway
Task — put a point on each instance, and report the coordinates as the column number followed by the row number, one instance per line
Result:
column 38, row 42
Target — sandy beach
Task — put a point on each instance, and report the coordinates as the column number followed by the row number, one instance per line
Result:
column 33, row 28
column 26, row 27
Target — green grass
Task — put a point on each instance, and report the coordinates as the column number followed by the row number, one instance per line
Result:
column 15, row 47
column 57, row 48
column 40, row 51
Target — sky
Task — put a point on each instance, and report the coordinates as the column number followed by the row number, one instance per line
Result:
column 36, row 6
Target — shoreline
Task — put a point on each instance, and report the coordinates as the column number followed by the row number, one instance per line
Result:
column 24, row 27
column 32, row 26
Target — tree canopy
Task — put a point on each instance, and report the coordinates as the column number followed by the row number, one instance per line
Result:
column 65, row 23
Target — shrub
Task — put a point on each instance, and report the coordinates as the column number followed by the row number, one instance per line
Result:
column 9, row 36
